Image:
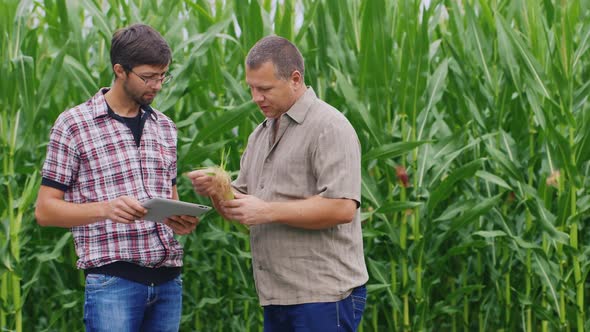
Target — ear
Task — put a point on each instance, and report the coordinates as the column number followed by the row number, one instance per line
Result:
column 120, row 72
column 296, row 78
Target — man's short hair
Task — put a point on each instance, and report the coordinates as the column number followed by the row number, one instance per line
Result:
column 139, row 44
column 283, row 54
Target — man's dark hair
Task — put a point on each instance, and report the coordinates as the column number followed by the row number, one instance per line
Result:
column 139, row 44
column 281, row 52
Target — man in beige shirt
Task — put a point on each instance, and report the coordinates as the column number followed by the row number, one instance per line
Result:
column 299, row 191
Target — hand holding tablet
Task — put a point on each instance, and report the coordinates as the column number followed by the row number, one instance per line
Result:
column 160, row 208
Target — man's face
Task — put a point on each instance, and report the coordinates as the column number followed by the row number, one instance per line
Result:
column 273, row 95
column 144, row 82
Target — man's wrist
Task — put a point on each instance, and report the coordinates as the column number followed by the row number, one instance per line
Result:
column 103, row 208
column 270, row 212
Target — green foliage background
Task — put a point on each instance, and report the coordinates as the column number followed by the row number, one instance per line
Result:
column 483, row 103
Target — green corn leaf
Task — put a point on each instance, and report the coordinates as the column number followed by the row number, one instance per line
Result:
column 393, row 207
column 447, row 186
column 489, row 177
column 391, row 150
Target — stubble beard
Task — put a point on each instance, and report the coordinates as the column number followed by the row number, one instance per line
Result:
column 136, row 97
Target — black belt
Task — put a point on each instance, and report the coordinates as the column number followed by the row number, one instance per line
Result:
column 141, row 274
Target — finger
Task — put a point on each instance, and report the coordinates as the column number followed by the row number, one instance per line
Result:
column 184, row 219
column 202, row 183
column 129, row 213
column 120, row 220
column 190, row 219
column 239, row 195
column 182, row 228
column 203, row 186
column 124, row 217
column 233, row 214
column 123, row 211
column 177, row 230
column 188, row 228
column 185, row 223
column 201, row 177
column 230, row 204
column 133, row 206
column 190, row 222
column 172, row 224
column 174, row 218
column 202, row 191
column 195, row 174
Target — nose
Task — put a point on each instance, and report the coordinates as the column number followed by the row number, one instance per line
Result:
column 157, row 85
column 257, row 97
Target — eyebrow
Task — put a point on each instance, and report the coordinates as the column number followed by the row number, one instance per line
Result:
column 259, row 86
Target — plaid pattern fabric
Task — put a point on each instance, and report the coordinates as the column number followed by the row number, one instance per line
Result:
column 96, row 157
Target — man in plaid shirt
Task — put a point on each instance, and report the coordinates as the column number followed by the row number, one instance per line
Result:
column 104, row 158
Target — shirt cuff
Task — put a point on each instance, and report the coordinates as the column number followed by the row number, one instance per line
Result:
column 54, row 184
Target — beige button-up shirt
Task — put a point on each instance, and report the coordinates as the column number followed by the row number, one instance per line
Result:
column 315, row 152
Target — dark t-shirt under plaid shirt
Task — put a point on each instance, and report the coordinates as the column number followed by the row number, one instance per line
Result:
column 94, row 158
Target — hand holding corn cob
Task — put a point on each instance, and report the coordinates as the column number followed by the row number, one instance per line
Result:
column 213, row 182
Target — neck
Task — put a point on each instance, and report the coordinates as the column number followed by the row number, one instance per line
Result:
column 120, row 103
column 298, row 94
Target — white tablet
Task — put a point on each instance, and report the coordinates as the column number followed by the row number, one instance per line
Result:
column 160, row 208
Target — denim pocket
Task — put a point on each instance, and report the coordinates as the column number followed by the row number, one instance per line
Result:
column 359, row 301
column 97, row 281
column 178, row 280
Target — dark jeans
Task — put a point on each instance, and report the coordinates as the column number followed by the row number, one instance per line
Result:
column 344, row 315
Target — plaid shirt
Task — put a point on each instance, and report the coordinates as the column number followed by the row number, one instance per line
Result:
column 95, row 157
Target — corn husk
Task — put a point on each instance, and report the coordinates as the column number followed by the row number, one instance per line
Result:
column 221, row 182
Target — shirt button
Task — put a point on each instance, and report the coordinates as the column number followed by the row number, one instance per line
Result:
column 260, row 267
column 262, row 186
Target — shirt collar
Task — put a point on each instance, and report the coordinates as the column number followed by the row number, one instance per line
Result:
column 101, row 108
column 299, row 110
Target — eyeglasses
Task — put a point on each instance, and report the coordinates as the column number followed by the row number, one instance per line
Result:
column 164, row 80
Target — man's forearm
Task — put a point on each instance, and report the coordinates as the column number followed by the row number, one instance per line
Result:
column 315, row 212
column 59, row 213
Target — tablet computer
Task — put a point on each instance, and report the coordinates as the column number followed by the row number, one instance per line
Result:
column 161, row 208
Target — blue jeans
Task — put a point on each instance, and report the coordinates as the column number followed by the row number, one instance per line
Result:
column 117, row 304
column 344, row 315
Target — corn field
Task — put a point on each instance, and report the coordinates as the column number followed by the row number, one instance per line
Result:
column 474, row 122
